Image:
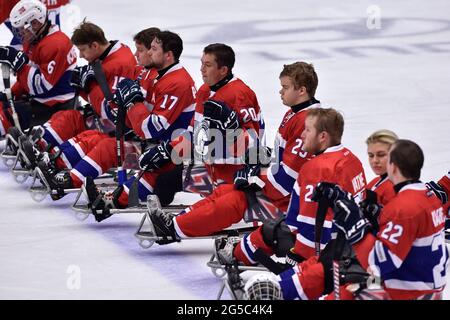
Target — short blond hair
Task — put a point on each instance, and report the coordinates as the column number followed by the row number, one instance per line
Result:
column 329, row 120
column 382, row 136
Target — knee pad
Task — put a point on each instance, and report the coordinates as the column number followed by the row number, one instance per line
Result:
column 277, row 235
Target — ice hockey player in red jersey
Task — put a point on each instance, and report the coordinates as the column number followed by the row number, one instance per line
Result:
column 43, row 69
column 92, row 153
column 408, row 252
column 235, row 106
column 117, row 62
column 53, row 8
column 332, row 163
column 378, row 145
column 169, row 107
column 228, row 203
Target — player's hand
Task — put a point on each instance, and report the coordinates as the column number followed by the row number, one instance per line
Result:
column 156, row 157
column 438, row 191
column 330, row 191
column 242, row 178
column 14, row 58
column 371, row 209
column 82, row 77
column 220, row 115
column 128, row 93
column 350, row 220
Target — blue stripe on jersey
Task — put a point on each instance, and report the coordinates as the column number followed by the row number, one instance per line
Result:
column 282, row 177
column 417, row 266
column 293, row 210
column 70, row 152
column 182, row 122
column 49, row 138
column 86, row 169
column 287, row 285
column 246, row 247
column 62, row 87
column 307, row 232
column 142, row 190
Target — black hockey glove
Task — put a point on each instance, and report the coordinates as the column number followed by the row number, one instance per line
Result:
column 128, row 93
column 329, row 191
column 243, row 178
column 371, row 209
column 438, row 191
column 258, row 156
column 350, row 220
column 220, row 115
column 14, row 58
column 82, row 77
column 156, row 157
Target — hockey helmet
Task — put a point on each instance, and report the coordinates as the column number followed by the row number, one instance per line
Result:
column 262, row 286
column 23, row 14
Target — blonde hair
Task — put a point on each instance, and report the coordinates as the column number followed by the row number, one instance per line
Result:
column 382, row 136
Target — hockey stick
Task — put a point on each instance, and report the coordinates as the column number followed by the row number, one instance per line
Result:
column 102, row 82
column 6, row 73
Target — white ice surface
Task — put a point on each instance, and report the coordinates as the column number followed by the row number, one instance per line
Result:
column 395, row 77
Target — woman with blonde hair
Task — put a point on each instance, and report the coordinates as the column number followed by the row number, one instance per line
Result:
column 378, row 145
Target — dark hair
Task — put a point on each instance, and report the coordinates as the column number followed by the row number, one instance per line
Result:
column 330, row 121
column 302, row 75
column 224, row 55
column 408, row 157
column 170, row 41
column 87, row 33
column 146, row 36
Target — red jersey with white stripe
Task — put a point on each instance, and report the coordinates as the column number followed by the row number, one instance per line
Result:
column 240, row 98
column 170, row 104
column 409, row 252
column 47, row 77
column 336, row 165
column 280, row 177
column 118, row 64
column 383, row 187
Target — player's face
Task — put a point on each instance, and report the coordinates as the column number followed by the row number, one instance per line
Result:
column 289, row 95
column 310, row 136
column 142, row 55
column 211, row 73
column 89, row 51
column 378, row 155
column 157, row 55
column 390, row 168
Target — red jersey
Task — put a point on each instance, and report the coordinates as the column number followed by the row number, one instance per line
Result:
column 384, row 189
column 280, row 177
column 170, row 104
column 118, row 64
column 336, row 165
column 240, row 98
column 409, row 252
column 47, row 77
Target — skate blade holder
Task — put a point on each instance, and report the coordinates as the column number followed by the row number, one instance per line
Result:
column 21, row 174
column 219, row 270
column 146, row 233
column 82, row 208
column 39, row 192
column 9, row 159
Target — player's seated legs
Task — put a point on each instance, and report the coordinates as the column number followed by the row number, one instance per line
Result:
column 213, row 216
column 168, row 184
